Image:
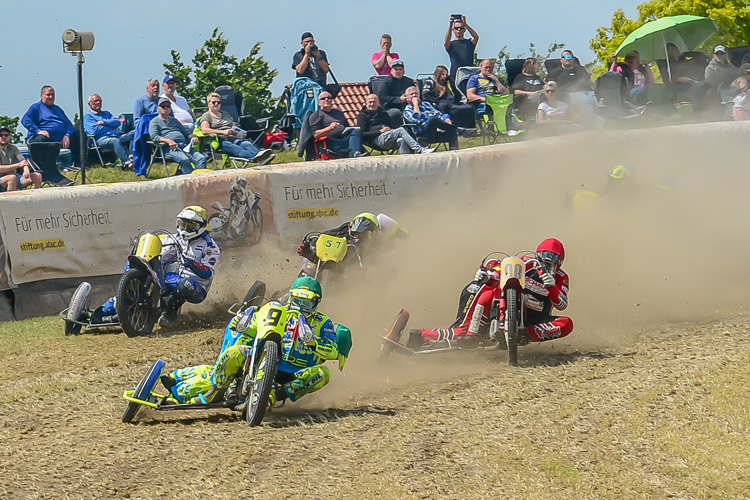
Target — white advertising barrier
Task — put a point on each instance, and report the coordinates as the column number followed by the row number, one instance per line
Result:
column 81, row 231
column 317, row 196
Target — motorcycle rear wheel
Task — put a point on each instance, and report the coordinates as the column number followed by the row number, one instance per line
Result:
column 511, row 322
column 143, row 390
column 76, row 307
column 135, row 308
column 262, row 376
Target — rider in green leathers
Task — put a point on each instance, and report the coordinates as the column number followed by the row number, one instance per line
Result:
column 300, row 369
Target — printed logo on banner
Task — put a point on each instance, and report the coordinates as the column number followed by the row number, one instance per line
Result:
column 37, row 245
column 312, row 213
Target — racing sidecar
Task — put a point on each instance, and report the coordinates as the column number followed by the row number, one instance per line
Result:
column 77, row 315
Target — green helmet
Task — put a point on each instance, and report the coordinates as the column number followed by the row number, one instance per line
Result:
column 305, row 294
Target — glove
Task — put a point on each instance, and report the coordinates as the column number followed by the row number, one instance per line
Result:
column 301, row 249
column 548, row 280
column 305, row 333
column 482, row 276
column 187, row 261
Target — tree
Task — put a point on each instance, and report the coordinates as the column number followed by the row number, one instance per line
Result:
column 12, row 123
column 732, row 17
column 504, row 55
column 213, row 66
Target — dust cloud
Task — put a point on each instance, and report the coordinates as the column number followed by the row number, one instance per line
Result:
column 668, row 244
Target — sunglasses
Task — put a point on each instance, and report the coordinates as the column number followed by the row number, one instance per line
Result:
column 329, row 98
column 567, row 56
column 459, row 29
column 165, row 105
column 4, row 135
column 215, row 102
column 550, row 91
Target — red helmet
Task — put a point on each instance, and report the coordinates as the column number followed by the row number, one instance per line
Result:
column 492, row 267
column 550, row 253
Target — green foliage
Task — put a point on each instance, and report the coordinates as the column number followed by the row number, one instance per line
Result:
column 12, row 123
column 732, row 16
column 505, row 55
column 213, row 66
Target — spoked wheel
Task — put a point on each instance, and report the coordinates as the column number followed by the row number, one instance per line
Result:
column 511, row 323
column 256, row 225
column 143, row 390
column 262, row 378
column 254, row 295
column 135, row 305
column 77, row 305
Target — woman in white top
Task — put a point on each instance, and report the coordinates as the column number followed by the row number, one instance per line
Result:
column 553, row 114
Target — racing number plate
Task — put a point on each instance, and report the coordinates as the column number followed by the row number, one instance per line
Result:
column 330, row 248
column 512, row 268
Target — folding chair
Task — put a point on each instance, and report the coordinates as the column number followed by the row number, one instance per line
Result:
column 91, row 145
column 610, row 90
column 462, row 79
column 43, row 157
column 157, row 153
column 375, row 83
column 233, row 103
column 513, row 68
column 495, row 127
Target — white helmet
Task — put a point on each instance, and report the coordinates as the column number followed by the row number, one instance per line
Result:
column 191, row 222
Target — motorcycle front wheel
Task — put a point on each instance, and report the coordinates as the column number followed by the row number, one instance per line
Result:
column 262, row 376
column 135, row 306
column 511, row 323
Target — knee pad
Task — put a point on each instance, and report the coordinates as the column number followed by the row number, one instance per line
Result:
column 189, row 290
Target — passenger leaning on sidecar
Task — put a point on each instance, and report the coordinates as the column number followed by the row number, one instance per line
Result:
column 300, row 369
column 361, row 228
column 545, row 288
column 198, row 256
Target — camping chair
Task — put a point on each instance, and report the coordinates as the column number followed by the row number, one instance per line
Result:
column 513, row 68
column 494, row 127
column 157, row 153
column 311, row 148
column 462, row 79
column 43, row 157
column 233, row 103
column 610, row 90
column 739, row 55
column 375, row 83
column 551, row 64
column 91, row 145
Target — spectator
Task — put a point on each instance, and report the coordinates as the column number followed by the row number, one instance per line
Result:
column 216, row 121
column 720, row 72
column 686, row 88
column 383, row 60
column 638, row 76
column 15, row 171
column 148, row 103
column 527, row 87
column 430, row 123
column 376, row 130
column 47, row 122
column 741, row 106
column 393, row 91
column 180, row 108
column 553, row 115
column 310, row 61
column 437, row 92
column 570, row 77
column 330, row 123
column 461, row 50
column 166, row 129
column 483, row 84
column 105, row 129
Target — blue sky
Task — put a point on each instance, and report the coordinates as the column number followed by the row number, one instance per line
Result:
column 134, row 38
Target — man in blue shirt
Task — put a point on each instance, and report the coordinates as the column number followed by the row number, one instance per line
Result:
column 106, row 130
column 47, row 122
column 167, row 130
column 147, row 103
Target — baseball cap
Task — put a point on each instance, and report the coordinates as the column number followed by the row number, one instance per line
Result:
column 3, row 127
column 398, row 62
column 306, row 34
column 169, row 78
column 720, row 48
column 163, row 99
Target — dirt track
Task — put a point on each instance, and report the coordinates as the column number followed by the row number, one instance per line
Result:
column 646, row 399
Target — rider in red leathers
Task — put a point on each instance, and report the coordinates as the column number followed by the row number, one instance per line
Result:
column 545, row 288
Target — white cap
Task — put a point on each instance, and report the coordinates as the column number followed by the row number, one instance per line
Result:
column 720, row 48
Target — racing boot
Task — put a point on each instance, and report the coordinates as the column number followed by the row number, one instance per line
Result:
column 168, row 381
column 169, row 315
column 398, row 326
column 277, row 396
column 415, row 340
column 206, row 397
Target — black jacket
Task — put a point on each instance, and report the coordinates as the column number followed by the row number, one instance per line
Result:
column 370, row 123
column 392, row 90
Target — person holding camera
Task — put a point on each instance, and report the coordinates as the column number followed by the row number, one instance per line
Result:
column 310, row 61
column 461, row 50
column 383, row 60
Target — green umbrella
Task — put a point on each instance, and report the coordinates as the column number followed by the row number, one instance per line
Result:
column 651, row 39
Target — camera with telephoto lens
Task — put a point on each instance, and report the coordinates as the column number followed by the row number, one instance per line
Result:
column 313, row 48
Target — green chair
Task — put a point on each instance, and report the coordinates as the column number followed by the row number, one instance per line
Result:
column 494, row 128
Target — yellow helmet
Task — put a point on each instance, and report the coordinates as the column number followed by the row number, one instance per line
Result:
column 191, row 222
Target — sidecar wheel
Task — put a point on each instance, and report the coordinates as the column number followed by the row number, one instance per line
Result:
column 135, row 307
column 262, row 376
column 143, row 390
